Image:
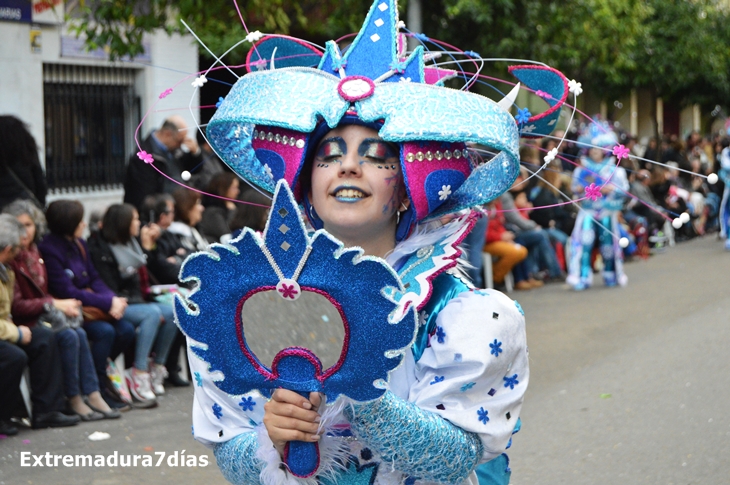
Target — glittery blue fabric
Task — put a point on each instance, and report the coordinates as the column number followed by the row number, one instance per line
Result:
column 486, row 183
column 548, row 81
column 425, row 112
column 420, row 444
column 374, row 50
column 290, row 98
column 440, row 184
column 289, row 53
column 237, row 459
column 215, row 325
column 445, row 287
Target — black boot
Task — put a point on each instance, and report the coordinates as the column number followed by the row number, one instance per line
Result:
column 8, row 429
column 54, row 419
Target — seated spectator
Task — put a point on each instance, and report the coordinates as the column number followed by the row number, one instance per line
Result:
column 33, row 305
column 120, row 261
column 252, row 212
column 21, row 346
column 501, row 243
column 71, row 274
column 188, row 214
column 541, row 254
column 216, row 219
column 643, row 203
column 21, row 173
column 167, row 255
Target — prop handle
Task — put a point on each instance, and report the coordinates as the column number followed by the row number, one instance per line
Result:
column 302, row 457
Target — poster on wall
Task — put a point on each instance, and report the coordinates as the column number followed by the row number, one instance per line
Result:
column 48, row 11
column 15, row 11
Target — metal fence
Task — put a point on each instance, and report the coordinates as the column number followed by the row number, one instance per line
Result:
column 90, row 115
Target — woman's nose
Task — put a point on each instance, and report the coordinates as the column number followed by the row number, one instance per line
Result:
column 350, row 164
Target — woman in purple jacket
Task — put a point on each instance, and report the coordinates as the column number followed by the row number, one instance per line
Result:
column 72, row 275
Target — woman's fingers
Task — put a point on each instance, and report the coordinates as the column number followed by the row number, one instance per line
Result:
column 291, row 417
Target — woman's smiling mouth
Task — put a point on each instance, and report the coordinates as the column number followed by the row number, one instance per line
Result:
column 348, row 194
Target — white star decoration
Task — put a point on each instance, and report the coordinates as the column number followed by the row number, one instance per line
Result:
column 445, row 192
column 528, row 129
column 199, row 81
column 254, row 36
column 575, row 87
column 551, row 155
column 268, row 171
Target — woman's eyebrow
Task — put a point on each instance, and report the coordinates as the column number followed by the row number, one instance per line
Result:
column 376, row 148
column 326, row 147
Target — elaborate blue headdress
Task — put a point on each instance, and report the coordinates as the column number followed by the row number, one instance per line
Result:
column 266, row 126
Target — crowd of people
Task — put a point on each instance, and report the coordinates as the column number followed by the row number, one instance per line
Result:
column 74, row 297
column 530, row 226
column 79, row 297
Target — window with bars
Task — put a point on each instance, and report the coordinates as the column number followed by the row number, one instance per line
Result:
column 90, row 116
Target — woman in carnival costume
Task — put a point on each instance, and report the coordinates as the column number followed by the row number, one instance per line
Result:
column 724, row 174
column 375, row 150
column 605, row 185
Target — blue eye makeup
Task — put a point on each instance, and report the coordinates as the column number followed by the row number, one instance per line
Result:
column 332, row 148
column 377, row 150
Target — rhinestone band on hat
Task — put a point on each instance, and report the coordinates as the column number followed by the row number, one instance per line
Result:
column 438, row 155
column 277, row 138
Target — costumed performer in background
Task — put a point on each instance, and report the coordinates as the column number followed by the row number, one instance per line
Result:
column 605, row 185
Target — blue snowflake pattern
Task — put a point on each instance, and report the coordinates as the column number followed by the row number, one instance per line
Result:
column 467, row 386
column 523, row 115
column 247, row 403
column 511, row 382
column 519, row 307
column 437, row 379
column 496, row 347
column 217, row 411
column 482, row 413
column 440, row 334
column 198, row 379
column 220, row 101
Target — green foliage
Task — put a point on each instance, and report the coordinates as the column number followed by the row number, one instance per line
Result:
column 680, row 49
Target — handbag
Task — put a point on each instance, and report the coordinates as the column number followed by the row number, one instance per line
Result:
column 58, row 321
column 93, row 314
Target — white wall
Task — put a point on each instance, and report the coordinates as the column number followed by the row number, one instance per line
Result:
column 21, row 79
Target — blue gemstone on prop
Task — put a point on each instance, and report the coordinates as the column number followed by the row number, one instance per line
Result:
column 492, row 392
column 435, row 183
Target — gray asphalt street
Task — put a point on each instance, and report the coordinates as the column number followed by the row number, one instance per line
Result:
column 628, row 386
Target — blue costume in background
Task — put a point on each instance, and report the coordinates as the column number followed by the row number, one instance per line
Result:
column 595, row 216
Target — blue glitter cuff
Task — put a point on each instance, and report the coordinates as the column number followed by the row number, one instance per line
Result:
column 236, row 459
column 421, row 444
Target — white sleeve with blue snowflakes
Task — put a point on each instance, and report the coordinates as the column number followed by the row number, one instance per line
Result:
column 475, row 371
column 217, row 416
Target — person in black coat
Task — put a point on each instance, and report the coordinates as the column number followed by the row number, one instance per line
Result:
column 21, row 174
column 165, row 145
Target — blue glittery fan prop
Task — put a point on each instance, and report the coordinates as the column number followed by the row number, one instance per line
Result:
column 552, row 86
column 287, row 260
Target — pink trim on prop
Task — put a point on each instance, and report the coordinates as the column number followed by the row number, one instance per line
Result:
column 352, row 98
column 271, row 374
column 301, row 352
column 432, row 75
column 560, row 102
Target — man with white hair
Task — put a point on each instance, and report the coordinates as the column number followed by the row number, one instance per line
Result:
column 21, row 346
column 173, row 149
